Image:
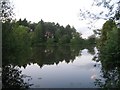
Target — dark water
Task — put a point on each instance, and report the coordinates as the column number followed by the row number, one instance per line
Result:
column 59, row 67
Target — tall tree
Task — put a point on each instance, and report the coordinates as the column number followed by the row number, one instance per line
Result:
column 39, row 34
column 107, row 27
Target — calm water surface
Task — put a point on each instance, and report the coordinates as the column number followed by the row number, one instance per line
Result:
column 59, row 67
column 78, row 73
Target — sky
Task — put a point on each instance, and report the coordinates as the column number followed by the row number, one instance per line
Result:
column 63, row 12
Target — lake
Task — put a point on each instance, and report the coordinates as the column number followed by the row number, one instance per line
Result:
column 58, row 67
column 62, row 66
column 78, row 73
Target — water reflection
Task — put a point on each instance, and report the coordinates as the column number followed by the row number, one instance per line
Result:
column 41, row 55
column 78, row 73
column 110, row 71
column 51, row 55
column 51, row 67
column 110, row 77
column 59, row 67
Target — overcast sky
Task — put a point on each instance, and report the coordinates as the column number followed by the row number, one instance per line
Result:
column 62, row 11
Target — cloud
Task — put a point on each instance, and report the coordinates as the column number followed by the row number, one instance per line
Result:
column 85, row 31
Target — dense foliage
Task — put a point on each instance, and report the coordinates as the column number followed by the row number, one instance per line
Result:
column 109, row 54
column 24, row 34
column 108, row 43
column 12, row 78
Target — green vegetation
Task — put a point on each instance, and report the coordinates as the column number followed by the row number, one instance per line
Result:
column 109, row 53
column 108, row 43
column 24, row 34
column 12, row 78
column 21, row 37
column 24, row 42
column 51, row 33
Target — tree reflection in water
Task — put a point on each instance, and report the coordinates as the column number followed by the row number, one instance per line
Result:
column 110, row 77
column 42, row 55
column 50, row 55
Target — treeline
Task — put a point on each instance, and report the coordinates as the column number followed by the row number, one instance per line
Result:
column 51, row 33
column 22, row 32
